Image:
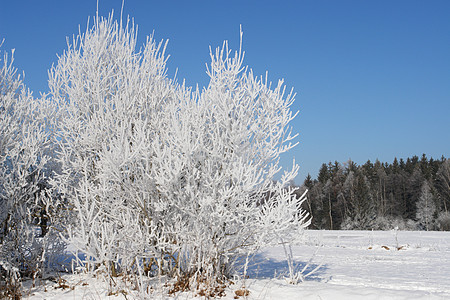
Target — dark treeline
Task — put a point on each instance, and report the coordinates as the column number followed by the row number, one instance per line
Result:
column 410, row 195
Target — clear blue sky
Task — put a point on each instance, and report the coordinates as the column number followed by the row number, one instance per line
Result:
column 372, row 77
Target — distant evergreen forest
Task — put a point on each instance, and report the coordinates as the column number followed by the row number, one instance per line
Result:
column 408, row 195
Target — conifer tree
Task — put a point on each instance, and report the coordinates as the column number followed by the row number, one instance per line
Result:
column 426, row 208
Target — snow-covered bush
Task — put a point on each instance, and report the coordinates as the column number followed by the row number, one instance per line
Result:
column 114, row 103
column 443, row 221
column 25, row 128
column 160, row 179
column 220, row 164
column 392, row 222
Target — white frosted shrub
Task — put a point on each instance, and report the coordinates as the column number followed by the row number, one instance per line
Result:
column 162, row 179
column 443, row 221
column 111, row 100
column 220, row 164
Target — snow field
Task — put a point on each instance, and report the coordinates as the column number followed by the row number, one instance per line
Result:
column 367, row 265
column 354, row 265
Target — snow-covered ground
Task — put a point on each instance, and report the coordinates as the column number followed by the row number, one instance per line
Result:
column 353, row 265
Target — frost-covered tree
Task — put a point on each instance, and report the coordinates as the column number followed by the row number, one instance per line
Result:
column 443, row 184
column 426, row 208
column 361, row 213
column 162, row 179
column 25, row 129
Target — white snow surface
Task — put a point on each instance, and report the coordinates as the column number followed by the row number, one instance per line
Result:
column 354, row 265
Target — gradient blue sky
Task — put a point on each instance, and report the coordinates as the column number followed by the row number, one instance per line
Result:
column 372, row 77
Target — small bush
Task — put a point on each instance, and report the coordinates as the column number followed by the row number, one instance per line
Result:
column 443, row 221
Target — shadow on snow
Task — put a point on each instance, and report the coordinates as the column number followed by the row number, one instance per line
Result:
column 262, row 267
